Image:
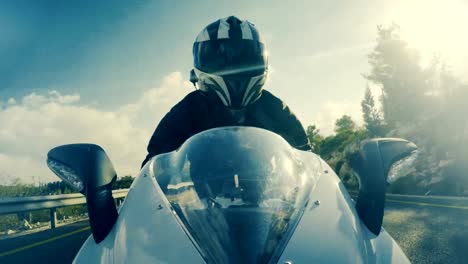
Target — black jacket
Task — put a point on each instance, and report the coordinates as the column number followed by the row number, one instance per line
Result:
column 200, row 111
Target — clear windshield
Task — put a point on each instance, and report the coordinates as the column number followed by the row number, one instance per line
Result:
column 238, row 192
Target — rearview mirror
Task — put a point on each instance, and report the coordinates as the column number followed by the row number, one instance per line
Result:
column 88, row 169
column 374, row 164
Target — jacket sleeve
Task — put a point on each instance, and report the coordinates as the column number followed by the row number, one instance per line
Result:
column 173, row 129
column 294, row 131
column 285, row 122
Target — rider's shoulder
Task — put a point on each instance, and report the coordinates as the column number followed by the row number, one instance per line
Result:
column 195, row 95
column 270, row 100
column 193, row 98
column 267, row 95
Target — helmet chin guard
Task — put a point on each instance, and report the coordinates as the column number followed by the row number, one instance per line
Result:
column 235, row 92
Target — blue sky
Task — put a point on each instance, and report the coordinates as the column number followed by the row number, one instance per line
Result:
column 102, row 66
column 111, row 51
column 123, row 47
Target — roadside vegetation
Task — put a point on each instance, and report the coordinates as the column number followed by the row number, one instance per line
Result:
column 425, row 104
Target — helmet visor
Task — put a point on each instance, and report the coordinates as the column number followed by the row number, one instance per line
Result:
column 230, row 57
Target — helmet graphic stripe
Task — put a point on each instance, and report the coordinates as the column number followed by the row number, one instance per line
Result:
column 246, row 31
column 203, row 36
column 222, row 98
column 223, row 29
column 222, row 91
column 254, row 95
column 214, row 83
column 250, row 93
column 256, row 36
column 213, row 30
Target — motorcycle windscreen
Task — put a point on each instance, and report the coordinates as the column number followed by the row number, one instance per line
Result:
column 238, row 192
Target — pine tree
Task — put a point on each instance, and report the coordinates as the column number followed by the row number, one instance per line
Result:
column 395, row 68
column 372, row 117
column 315, row 139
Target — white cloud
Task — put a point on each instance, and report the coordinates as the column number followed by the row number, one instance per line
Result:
column 156, row 102
column 330, row 111
column 40, row 122
column 34, row 100
column 33, row 125
column 11, row 166
column 11, row 101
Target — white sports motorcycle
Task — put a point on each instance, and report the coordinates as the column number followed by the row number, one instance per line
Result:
column 236, row 195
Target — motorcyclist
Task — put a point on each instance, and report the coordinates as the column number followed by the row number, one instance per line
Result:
column 230, row 69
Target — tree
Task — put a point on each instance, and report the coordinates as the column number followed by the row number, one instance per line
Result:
column 314, row 137
column 344, row 124
column 123, row 182
column 396, row 69
column 333, row 147
column 372, row 117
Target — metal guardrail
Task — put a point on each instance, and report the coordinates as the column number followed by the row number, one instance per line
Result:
column 444, row 201
column 52, row 202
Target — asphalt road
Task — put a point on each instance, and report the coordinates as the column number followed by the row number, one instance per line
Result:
column 428, row 231
column 428, row 234
column 58, row 245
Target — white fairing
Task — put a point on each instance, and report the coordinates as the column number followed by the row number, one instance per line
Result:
column 329, row 230
column 145, row 232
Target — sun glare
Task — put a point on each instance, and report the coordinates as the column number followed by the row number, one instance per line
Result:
column 435, row 26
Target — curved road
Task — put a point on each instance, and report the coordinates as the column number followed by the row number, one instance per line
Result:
column 428, row 231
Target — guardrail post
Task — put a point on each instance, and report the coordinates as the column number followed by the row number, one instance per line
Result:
column 22, row 206
column 53, row 217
